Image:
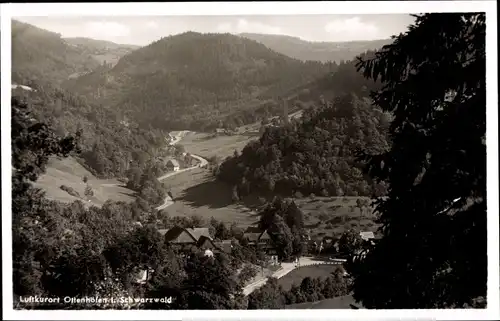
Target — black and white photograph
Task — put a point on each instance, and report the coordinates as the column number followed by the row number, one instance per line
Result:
column 244, row 161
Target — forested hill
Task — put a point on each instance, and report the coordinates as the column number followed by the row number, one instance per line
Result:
column 345, row 79
column 38, row 54
column 317, row 51
column 193, row 80
column 110, row 144
column 316, row 155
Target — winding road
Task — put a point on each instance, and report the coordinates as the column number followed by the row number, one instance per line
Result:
column 177, row 136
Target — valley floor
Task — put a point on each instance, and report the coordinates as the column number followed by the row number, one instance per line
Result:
column 197, row 193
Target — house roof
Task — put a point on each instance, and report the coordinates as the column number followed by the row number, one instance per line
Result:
column 253, row 229
column 255, row 234
column 163, row 231
column 367, row 235
column 206, row 242
column 185, row 235
column 199, row 232
column 179, row 235
column 174, row 162
column 264, row 236
column 252, row 233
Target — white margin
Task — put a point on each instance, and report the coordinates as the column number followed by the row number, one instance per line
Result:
column 258, row 8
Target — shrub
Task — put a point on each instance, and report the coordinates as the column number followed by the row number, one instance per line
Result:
column 88, row 191
column 335, row 207
column 247, row 273
column 69, row 190
column 324, row 216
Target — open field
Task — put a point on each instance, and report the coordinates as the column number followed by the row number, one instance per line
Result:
column 197, row 193
column 314, row 271
column 332, row 216
column 206, row 145
column 67, row 171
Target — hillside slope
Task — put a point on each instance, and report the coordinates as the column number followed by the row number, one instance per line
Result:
column 105, row 52
column 317, row 51
column 194, row 80
column 317, row 153
column 69, row 172
column 40, row 54
column 110, row 144
column 344, row 79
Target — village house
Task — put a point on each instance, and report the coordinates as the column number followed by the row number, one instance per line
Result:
column 220, row 131
column 179, row 235
column 195, row 238
column 172, row 165
column 370, row 237
column 206, row 243
column 260, row 239
column 367, row 236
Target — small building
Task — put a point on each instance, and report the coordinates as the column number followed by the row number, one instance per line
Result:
column 260, row 239
column 206, row 243
column 172, row 165
column 367, row 236
column 143, row 275
column 187, row 237
column 180, row 237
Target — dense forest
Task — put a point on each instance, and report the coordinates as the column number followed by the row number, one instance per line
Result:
column 317, row 154
column 70, row 250
column 109, row 146
column 192, row 80
column 342, row 79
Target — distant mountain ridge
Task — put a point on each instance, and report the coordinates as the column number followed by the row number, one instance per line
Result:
column 106, row 52
column 42, row 55
column 98, row 44
column 316, row 51
column 190, row 78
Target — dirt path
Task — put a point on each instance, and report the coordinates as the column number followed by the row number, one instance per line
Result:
column 286, row 268
column 177, row 138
